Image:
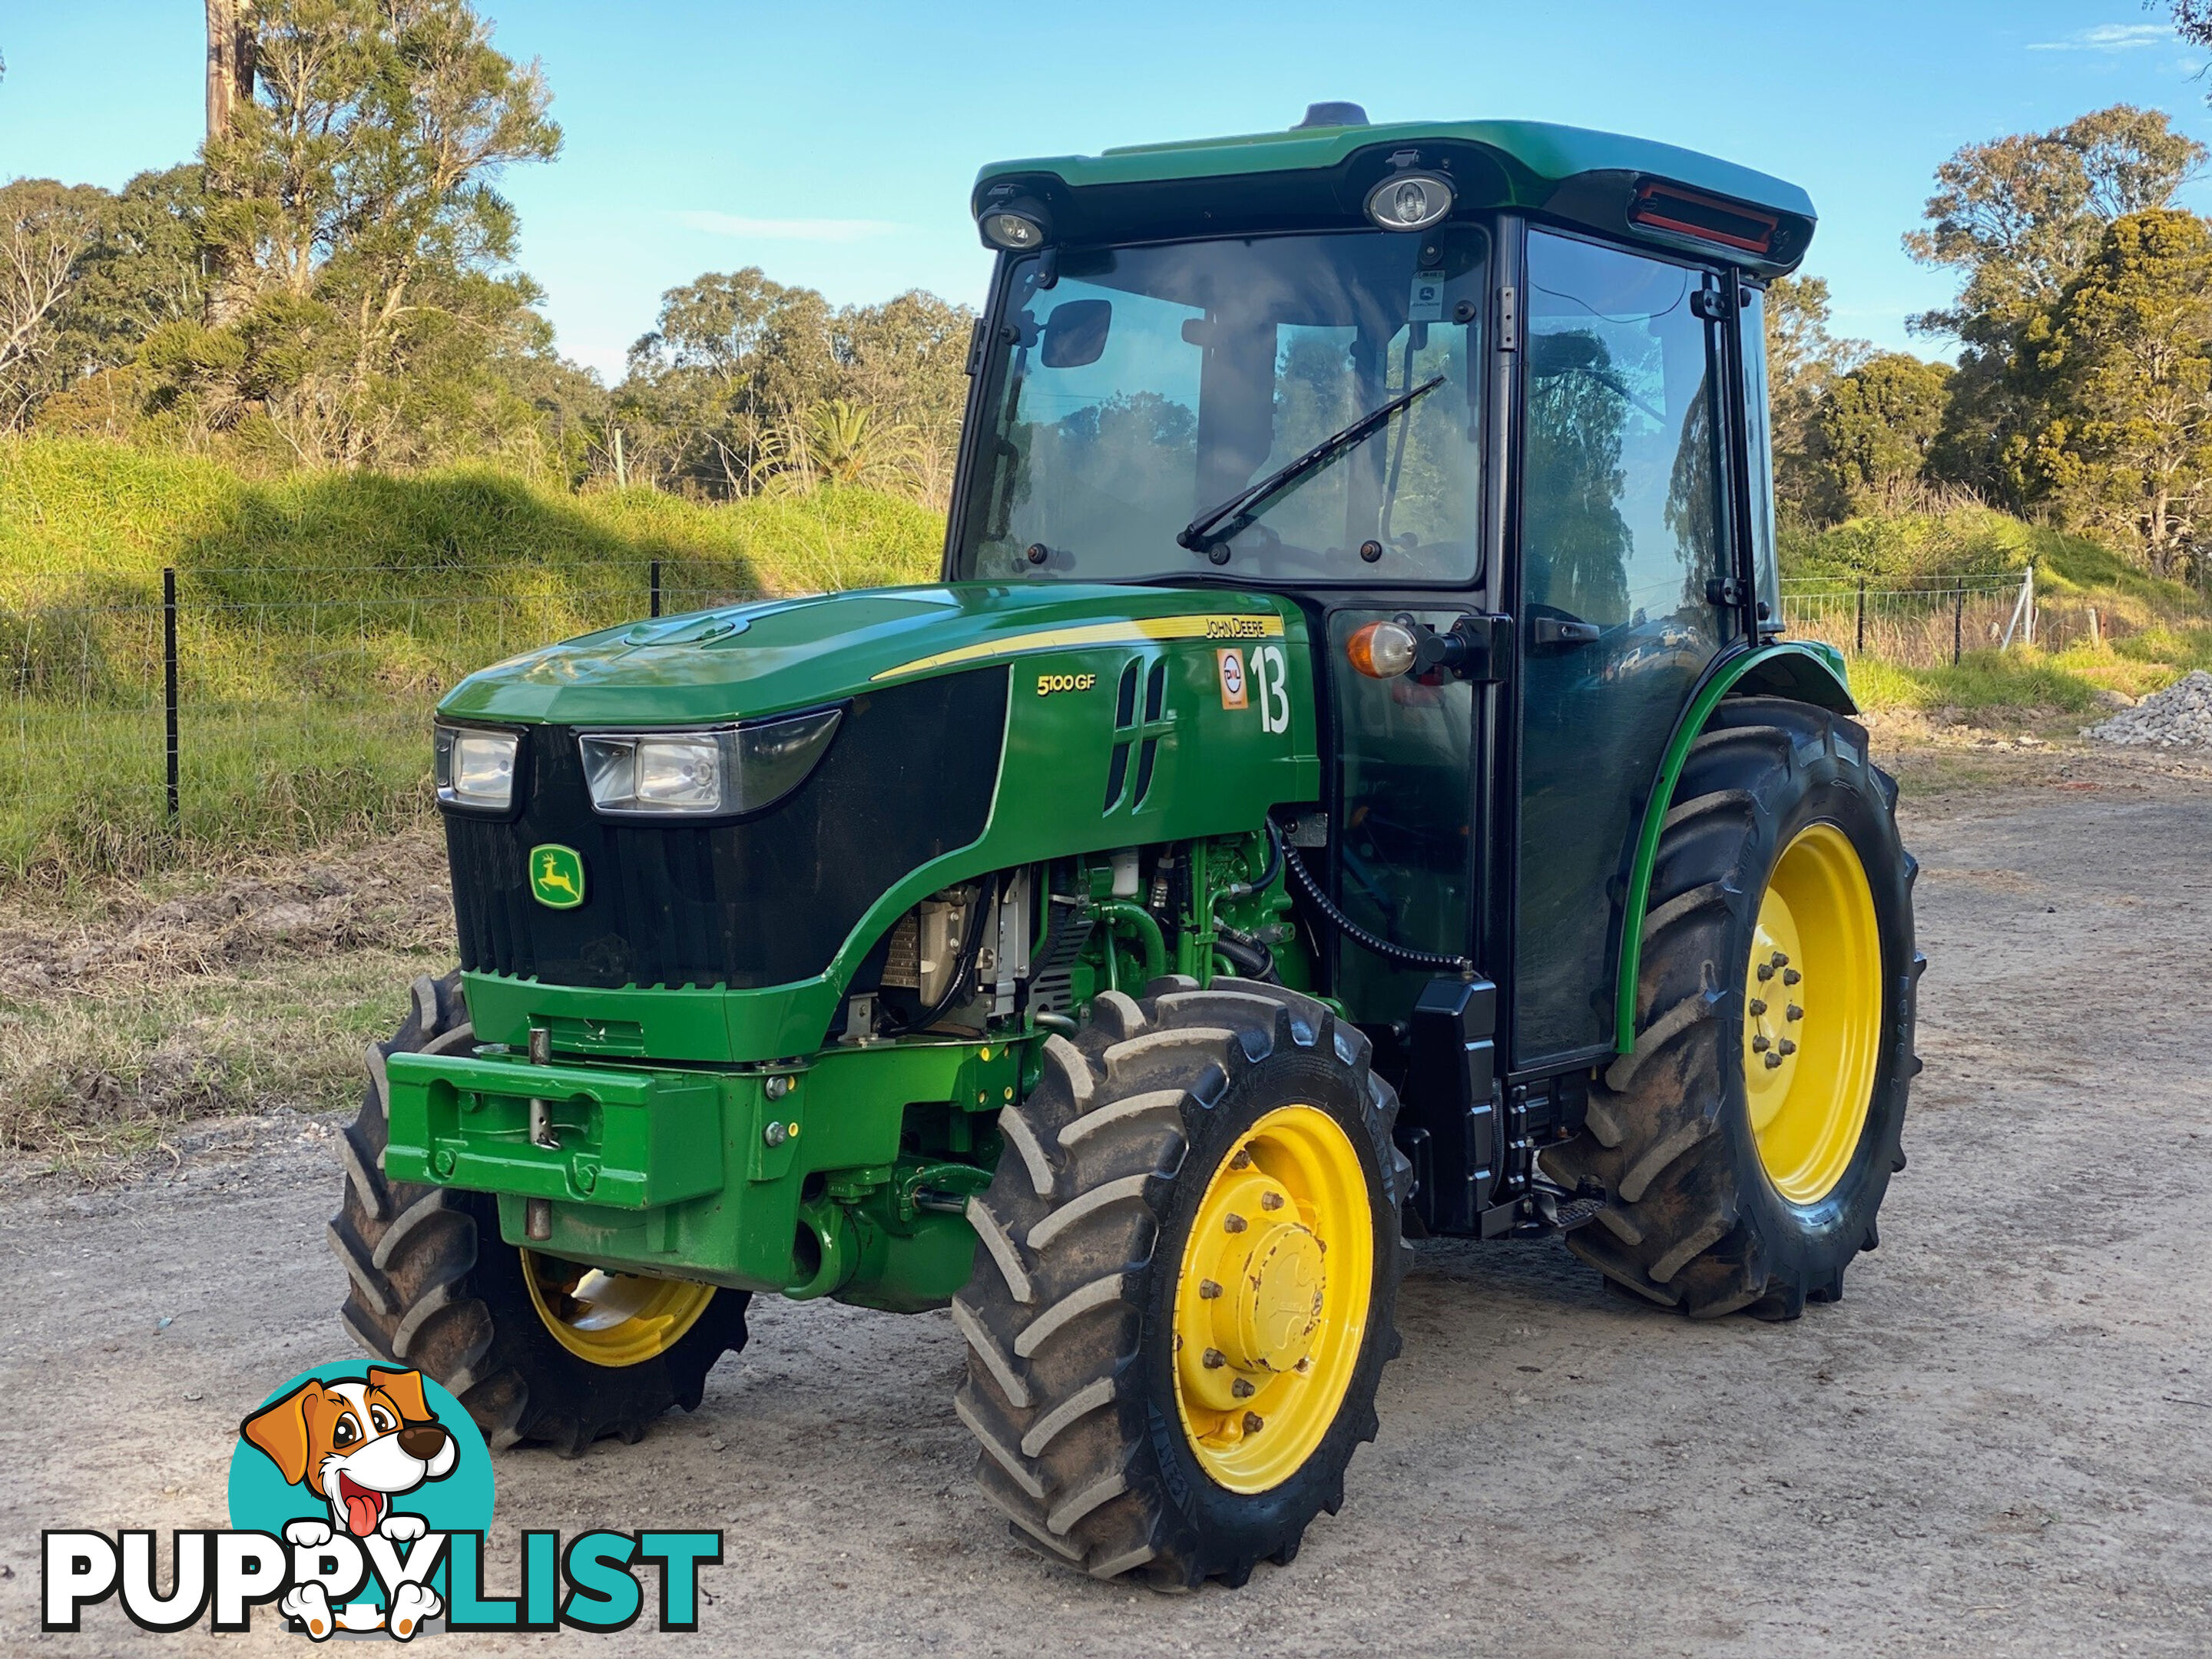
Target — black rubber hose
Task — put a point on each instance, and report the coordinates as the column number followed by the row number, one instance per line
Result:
column 1266, row 878
column 1253, row 959
column 1358, row 935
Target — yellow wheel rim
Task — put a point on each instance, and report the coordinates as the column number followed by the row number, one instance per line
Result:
column 1272, row 1306
column 611, row 1319
column 1812, row 1028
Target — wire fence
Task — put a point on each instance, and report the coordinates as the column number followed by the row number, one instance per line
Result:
column 1930, row 621
column 243, row 702
column 244, row 705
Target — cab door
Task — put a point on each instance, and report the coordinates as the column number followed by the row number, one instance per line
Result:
column 1622, row 537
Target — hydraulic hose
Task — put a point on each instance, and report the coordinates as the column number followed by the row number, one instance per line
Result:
column 1246, row 954
column 1266, row 878
column 1358, row 935
column 1138, row 921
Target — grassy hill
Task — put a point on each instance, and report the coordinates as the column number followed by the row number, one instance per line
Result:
column 2148, row 632
column 319, row 617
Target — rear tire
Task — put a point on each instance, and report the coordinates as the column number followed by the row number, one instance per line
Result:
column 1071, row 1319
column 1692, row 1219
column 433, row 1285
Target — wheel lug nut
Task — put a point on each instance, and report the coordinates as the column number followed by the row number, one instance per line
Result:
column 1773, row 1062
column 1779, row 960
column 1793, row 1012
column 1214, row 1359
column 1271, row 1200
column 1787, row 1047
column 1208, row 1289
column 1765, row 972
column 1790, row 977
column 1254, row 1423
column 1758, row 1007
column 1760, row 1045
column 1242, row 1388
column 1233, row 1222
column 1242, row 1161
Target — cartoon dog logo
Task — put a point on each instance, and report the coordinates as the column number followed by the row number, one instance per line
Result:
column 357, row 1446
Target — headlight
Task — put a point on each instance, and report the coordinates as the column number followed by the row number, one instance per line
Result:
column 728, row 769
column 476, row 769
column 1409, row 201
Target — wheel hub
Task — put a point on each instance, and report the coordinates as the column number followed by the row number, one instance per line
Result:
column 1271, row 1307
column 1812, row 1013
column 1266, row 1281
column 611, row 1319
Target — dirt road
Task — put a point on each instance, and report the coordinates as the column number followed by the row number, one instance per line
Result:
column 1999, row 1442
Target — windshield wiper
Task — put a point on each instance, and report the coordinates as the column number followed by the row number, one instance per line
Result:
column 1225, row 523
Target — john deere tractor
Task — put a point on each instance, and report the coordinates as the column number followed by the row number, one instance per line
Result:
column 1349, row 784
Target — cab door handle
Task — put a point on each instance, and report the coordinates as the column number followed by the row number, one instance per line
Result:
column 1561, row 630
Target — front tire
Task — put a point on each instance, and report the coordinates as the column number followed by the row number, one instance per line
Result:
column 433, row 1285
column 1160, row 1382
column 1744, row 1147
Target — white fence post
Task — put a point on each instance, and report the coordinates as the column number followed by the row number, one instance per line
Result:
column 2023, row 607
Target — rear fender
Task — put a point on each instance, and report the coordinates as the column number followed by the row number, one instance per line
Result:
column 1808, row 671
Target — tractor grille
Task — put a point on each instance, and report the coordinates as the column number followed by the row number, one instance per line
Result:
column 767, row 900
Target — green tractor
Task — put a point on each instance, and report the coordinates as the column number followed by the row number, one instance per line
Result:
column 1349, row 785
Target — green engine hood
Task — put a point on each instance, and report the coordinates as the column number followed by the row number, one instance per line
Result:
column 771, row 655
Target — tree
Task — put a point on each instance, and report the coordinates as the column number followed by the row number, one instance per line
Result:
column 908, row 359
column 2128, row 355
column 2192, row 21
column 717, row 390
column 46, row 229
column 1873, row 431
column 231, row 53
column 1803, row 359
column 353, row 189
column 2018, row 217
column 739, row 381
column 2020, row 214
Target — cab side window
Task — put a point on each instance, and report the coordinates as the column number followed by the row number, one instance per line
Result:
column 1758, row 429
column 1622, row 527
column 1621, row 522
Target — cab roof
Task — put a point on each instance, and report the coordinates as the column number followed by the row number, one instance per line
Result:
column 1317, row 176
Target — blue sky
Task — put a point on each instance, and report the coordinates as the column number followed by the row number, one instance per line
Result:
column 833, row 143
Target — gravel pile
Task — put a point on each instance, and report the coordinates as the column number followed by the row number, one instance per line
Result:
column 2182, row 714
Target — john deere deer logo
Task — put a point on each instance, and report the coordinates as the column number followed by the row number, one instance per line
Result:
column 556, row 876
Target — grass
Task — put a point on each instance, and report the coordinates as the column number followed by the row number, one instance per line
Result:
column 126, row 1011
column 1983, row 680
column 2148, row 632
column 320, row 616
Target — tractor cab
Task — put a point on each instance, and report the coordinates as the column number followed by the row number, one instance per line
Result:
column 1499, row 378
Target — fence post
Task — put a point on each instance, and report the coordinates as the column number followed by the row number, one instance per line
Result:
column 656, row 587
column 1862, row 631
column 1958, row 622
column 2019, row 609
column 170, row 676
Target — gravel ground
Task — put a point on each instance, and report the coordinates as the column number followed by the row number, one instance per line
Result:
column 2182, row 714
column 2000, row 1442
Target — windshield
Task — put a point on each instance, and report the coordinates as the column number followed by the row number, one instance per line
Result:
column 1149, row 385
